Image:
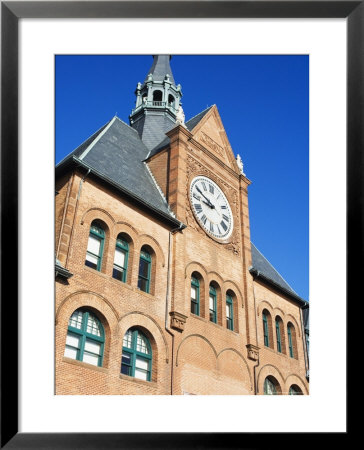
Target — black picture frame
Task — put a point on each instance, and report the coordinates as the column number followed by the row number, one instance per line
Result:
column 11, row 12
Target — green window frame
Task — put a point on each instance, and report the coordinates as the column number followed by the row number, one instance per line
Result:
column 269, row 387
column 195, row 296
column 212, row 304
column 95, row 247
column 136, row 360
column 85, row 339
column 265, row 330
column 145, row 263
column 229, row 313
column 290, row 343
column 120, row 267
column 279, row 340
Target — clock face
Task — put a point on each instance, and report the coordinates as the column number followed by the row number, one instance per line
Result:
column 211, row 207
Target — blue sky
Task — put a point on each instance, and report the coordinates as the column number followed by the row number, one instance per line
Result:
column 264, row 105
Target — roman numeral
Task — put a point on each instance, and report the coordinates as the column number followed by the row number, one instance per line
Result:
column 204, row 219
column 211, row 188
column 197, row 197
column 223, row 207
column 198, row 208
column 223, row 224
column 218, row 229
column 211, row 227
column 225, row 218
column 204, row 185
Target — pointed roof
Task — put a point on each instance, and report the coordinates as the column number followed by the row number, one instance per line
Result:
column 194, row 121
column 116, row 154
column 160, row 68
column 262, row 268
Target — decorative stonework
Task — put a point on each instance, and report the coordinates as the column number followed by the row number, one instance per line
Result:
column 194, row 168
column 211, row 143
column 253, row 352
column 178, row 320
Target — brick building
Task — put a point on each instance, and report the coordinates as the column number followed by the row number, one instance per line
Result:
column 159, row 289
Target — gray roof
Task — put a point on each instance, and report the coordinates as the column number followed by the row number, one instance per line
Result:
column 190, row 125
column 196, row 119
column 264, row 268
column 152, row 128
column 117, row 153
column 160, row 68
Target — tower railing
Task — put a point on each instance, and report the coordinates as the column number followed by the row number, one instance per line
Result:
column 155, row 104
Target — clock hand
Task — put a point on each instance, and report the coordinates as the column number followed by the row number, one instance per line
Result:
column 209, row 203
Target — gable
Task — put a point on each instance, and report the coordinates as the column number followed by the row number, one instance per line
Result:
column 211, row 134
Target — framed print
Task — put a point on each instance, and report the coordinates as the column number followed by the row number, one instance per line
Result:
column 136, row 259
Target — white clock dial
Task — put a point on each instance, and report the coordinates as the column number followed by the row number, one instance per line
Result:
column 211, row 208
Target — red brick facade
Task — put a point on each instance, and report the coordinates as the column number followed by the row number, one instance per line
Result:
column 190, row 354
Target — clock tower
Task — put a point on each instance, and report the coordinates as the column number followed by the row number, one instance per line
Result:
column 196, row 170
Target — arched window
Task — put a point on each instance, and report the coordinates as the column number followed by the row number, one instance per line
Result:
column 145, row 265
column 137, row 355
column 121, row 259
column 291, row 336
column 171, row 100
column 229, row 312
column 271, row 386
column 95, row 246
column 195, row 296
column 157, row 96
column 295, row 390
column 278, row 334
column 265, row 329
column 85, row 338
column 212, row 304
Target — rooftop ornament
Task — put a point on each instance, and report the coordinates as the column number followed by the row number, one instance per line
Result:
column 240, row 164
column 180, row 118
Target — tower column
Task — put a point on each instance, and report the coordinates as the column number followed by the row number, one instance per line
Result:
column 250, row 313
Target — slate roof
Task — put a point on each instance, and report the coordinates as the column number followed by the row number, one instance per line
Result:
column 196, row 119
column 117, row 152
column 261, row 266
column 160, row 68
column 190, row 125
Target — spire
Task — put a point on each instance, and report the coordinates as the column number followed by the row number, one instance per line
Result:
column 160, row 68
column 158, row 101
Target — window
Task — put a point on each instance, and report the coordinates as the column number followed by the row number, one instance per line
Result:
column 145, row 263
column 137, row 355
column 195, row 296
column 171, row 100
column 85, row 338
column 157, row 97
column 212, row 303
column 290, row 340
column 294, row 390
column 121, row 260
column 265, row 329
column 95, row 246
column 278, row 333
column 229, row 313
column 270, row 386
